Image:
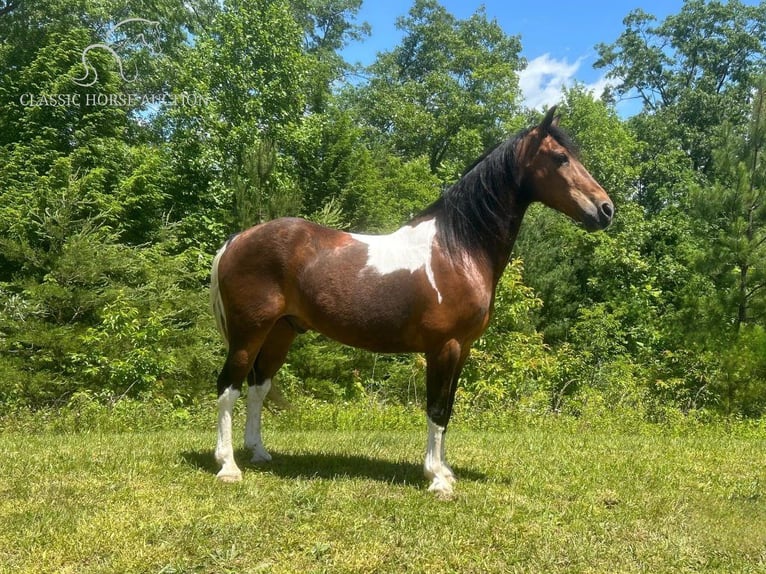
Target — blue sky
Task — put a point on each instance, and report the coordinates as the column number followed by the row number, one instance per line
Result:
column 558, row 37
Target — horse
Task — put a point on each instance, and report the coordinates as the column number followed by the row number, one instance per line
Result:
column 428, row 287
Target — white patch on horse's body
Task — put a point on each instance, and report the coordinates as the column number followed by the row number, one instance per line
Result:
column 407, row 249
column 224, row 450
column 255, row 397
column 435, row 467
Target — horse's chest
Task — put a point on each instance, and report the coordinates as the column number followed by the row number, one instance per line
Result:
column 408, row 251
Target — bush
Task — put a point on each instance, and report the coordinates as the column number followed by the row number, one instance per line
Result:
column 109, row 318
column 510, row 361
column 738, row 383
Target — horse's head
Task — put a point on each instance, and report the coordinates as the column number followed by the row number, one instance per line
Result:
column 552, row 174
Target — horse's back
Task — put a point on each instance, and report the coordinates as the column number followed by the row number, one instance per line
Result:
column 276, row 243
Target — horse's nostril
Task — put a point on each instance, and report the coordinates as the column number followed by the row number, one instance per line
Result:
column 607, row 209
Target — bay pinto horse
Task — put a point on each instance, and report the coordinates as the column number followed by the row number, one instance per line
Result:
column 428, row 287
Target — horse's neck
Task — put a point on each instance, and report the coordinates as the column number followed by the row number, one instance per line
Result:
column 500, row 256
column 492, row 251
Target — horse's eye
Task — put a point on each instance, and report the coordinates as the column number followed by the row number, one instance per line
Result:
column 561, row 159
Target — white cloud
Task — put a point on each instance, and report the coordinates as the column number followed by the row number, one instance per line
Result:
column 544, row 77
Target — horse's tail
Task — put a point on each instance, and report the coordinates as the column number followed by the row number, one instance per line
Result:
column 216, row 302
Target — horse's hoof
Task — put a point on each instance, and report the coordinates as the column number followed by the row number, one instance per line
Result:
column 448, row 475
column 442, row 488
column 228, row 475
column 260, row 456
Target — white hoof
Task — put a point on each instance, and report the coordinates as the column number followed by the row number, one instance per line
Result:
column 442, row 487
column 229, row 475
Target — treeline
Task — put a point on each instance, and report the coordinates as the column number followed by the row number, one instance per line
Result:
column 136, row 136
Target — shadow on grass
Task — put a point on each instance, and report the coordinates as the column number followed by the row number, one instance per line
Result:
column 326, row 466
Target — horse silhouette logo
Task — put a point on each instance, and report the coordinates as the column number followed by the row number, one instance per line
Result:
column 120, row 39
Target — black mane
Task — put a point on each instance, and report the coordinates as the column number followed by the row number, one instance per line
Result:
column 476, row 213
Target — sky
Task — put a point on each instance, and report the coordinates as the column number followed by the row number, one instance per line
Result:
column 558, row 37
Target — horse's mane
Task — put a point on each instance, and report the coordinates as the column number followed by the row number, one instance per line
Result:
column 473, row 214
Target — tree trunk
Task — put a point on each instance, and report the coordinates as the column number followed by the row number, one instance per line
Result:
column 742, row 298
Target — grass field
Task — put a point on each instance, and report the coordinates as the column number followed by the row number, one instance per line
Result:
column 551, row 495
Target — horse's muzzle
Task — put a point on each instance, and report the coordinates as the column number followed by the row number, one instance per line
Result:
column 605, row 214
column 601, row 219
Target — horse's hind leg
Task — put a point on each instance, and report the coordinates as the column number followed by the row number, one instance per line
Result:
column 270, row 358
column 239, row 362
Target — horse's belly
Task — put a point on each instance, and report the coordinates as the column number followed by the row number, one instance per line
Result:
column 383, row 314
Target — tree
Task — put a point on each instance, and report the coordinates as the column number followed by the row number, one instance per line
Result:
column 447, row 92
column 709, row 47
column 87, row 266
column 733, row 216
column 247, row 70
column 700, row 63
column 328, row 28
column 697, row 73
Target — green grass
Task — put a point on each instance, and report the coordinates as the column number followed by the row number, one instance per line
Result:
column 550, row 495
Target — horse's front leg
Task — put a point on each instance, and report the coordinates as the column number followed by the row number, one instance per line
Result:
column 442, row 372
column 435, row 467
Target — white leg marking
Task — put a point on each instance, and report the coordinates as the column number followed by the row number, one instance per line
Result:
column 436, row 468
column 409, row 249
column 255, row 397
column 224, row 451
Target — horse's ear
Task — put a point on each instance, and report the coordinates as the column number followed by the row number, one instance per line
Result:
column 532, row 142
column 549, row 120
column 529, row 145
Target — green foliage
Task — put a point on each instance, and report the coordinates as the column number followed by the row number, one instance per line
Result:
column 698, row 65
column 112, row 319
column 400, row 191
column 738, row 384
column 732, row 216
column 110, row 214
column 447, row 91
column 124, row 353
column 510, row 361
column 327, row 27
column 330, row 167
column 329, row 371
